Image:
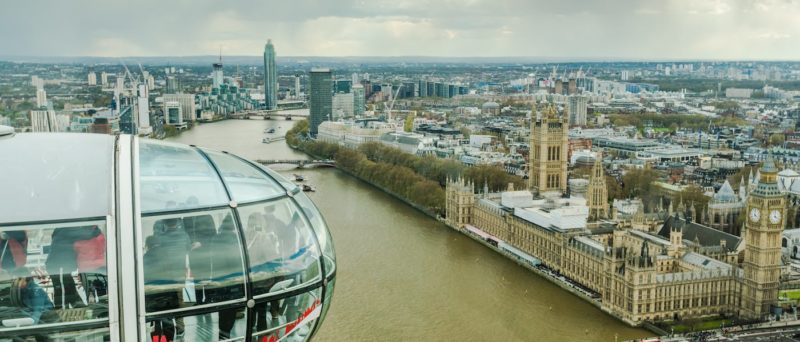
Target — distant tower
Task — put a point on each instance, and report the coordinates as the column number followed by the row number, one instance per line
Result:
column 172, row 85
column 359, row 101
column 548, row 152
column 41, row 98
column 766, row 212
column 271, row 77
column 576, row 107
column 92, row 78
column 216, row 75
column 297, row 86
column 320, row 101
column 143, row 108
column 597, row 199
column 103, row 78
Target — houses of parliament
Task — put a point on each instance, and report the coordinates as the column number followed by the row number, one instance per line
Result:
column 655, row 267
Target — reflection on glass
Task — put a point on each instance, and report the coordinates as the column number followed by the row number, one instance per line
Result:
column 175, row 176
column 52, row 274
column 321, row 229
column 288, row 319
column 191, row 259
column 224, row 325
column 280, row 245
column 98, row 334
column 245, row 182
column 326, row 303
column 288, row 185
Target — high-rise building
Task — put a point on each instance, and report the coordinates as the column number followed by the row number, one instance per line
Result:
column 359, row 100
column 766, row 213
column 187, row 102
column 103, row 78
column 624, row 75
column 576, row 107
column 342, row 105
column 172, row 84
column 548, row 152
column 216, row 74
column 37, row 82
column 43, row 121
column 597, row 193
column 120, row 84
column 387, row 91
column 41, row 98
column 297, row 86
column 559, row 87
column 342, row 86
column 423, row 88
column 354, row 78
column 270, row 77
column 92, row 78
column 143, row 110
column 173, row 115
column 320, row 99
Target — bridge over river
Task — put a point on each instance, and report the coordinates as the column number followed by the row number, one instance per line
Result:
column 301, row 163
column 269, row 114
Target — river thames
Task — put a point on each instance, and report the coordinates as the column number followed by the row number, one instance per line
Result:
column 404, row 276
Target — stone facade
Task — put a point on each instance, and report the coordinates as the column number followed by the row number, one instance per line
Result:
column 597, row 195
column 548, row 155
column 766, row 213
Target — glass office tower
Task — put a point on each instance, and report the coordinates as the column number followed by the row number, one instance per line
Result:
column 321, row 98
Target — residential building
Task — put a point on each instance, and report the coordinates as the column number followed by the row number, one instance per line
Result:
column 359, row 99
column 41, row 98
column 576, row 107
column 271, row 77
column 342, row 105
column 187, row 103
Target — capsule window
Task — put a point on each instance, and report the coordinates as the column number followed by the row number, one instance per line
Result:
column 191, row 259
column 52, row 275
column 281, row 247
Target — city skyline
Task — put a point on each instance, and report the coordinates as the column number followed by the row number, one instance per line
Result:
column 679, row 29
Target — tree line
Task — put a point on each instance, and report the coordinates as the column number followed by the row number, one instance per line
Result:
column 419, row 179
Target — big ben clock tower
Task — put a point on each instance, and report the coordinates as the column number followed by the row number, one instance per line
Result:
column 766, row 213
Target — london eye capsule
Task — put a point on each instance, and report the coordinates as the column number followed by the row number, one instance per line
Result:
column 126, row 239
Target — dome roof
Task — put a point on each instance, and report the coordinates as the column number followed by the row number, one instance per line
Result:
column 788, row 173
column 491, row 104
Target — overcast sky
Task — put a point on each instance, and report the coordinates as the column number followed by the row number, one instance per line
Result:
column 660, row 29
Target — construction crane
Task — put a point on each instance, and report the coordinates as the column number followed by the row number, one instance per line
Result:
column 134, row 80
column 391, row 104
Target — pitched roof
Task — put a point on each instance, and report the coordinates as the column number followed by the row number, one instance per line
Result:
column 707, row 236
column 725, row 193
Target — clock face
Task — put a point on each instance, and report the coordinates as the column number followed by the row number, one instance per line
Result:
column 775, row 216
column 755, row 215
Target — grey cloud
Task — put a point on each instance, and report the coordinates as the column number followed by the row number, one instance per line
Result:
column 730, row 29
